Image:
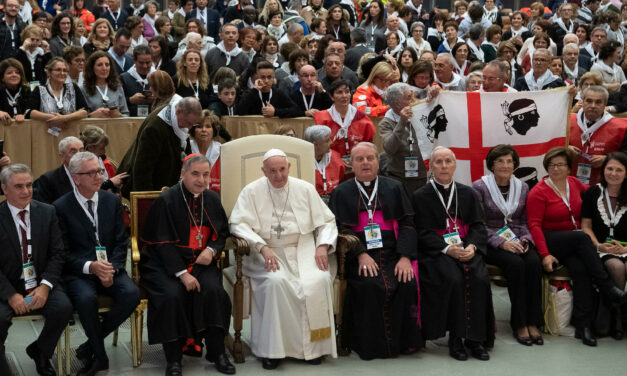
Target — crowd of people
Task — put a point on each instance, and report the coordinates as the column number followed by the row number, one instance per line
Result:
column 419, row 270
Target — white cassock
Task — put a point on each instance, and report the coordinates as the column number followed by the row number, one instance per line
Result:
column 292, row 308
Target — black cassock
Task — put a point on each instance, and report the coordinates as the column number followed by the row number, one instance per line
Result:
column 172, row 246
column 380, row 313
column 455, row 295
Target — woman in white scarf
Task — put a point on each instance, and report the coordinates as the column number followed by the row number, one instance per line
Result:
column 202, row 141
column 607, row 66
column 32, row 56
column 136, row 27
column 149, row 19
column 394, row 47
column 416, row 42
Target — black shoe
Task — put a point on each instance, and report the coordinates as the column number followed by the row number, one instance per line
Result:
column 456, row 349
column 42, row 364
column 477, row 350
column 616, row 295
column 617, row 334
column 93, row 366
column 174, row 369
column 222, row 363
column 270, row 364
column 537, row 340
column 83, row 352
column 586, row 336
column 314, row 362
column 527, row 341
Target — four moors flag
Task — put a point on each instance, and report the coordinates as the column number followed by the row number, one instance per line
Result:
column 471, row 123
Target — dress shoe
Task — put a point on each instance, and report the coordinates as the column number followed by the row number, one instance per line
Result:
column 617, row 334
column 527, row 341
column 616, row 295
column 586, row 336
column 92, row 367
column 174, row 369
column 270, row 364
column 456, row 349
column 477, row 350
column 222, row 364
column 537, row 340
column 42, row 363
column 83, row 352
column 314, row 362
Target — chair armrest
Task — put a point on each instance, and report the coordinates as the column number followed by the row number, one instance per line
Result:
column 241, row 246
column 135, row 257
column 345, row 243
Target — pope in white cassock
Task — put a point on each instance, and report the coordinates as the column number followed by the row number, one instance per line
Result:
column 291, row 232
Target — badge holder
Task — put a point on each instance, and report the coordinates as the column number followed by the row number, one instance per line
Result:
column 101, row 254
column 452, row 238
column 30, row 279
column 507, row 234
column 373, row 237
column 33, row 85
column 411, row 167
column 584, row 170
column 143, row 110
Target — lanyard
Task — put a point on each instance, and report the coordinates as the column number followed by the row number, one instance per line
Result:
column 447, row 205
column 230, row 110
column 105, row 97
column 58, row 101
column 261, row 98
column 410, row 141
column 194, row 87
column 115, row 18
column 336, row 32
column 611, row 212
column 565, row 199
column 369, row 205
column 308, row 107
column 13, row 100
column 322, row 169
column 26, row 229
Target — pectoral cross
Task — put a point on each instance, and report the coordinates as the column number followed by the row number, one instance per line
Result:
column 199, row 238
column 278, row 230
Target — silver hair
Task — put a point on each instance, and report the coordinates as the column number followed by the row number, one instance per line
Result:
column 189, row 105
column 66, row 141
column 293, row 28
column 196, row 158
column 193, row 34
column 543, row 51
column 451, row 59
column 415, row 25
column 8, row 172
column 596, row 89
column 151, row 2
column 316, row 133
column 442, row 148
column 598, row 28
column 77, row 161
column 503, row 69
column 570, row 46
column 368, row 144
column 395, row 92
column 571, row 35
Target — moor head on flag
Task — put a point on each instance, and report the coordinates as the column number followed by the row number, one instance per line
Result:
column 521, row 115
column 435, row 122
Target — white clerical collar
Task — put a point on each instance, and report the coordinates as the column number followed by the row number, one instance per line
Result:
column 446, row 186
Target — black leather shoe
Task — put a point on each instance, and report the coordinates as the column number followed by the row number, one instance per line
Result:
column 477, row 350
column 83, row 352
column 616, row 295
column 586, row 336
column 270, row 364
column 222, row 363
column 174, row 369
column 537, row 340
column 93, row 366
column 456, row 349
column 527, row 341
column 42, row 364
column 314, row 362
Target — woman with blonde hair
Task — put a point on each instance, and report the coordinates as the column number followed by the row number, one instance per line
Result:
column 369, row 96
column 268, row 7
column 192, row 78
column 202, row 141
column 537, row 13
column 100, row 38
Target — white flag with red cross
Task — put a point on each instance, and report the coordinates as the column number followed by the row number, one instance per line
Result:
column 472, row 123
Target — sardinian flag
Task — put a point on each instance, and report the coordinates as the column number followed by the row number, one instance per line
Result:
column 472, row 123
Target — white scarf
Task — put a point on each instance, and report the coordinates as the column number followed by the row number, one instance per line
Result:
column 562, row 25
column 32, row 56
column 458, row 69
column 229, row 54
column 453, row 84
column 348, row 119
column 433, row 32
column 150, row 21
column 518, row 32
column 594, row 56
column 412, row 6
column 168, row 115
column 572, row 74
column 379, row 92
column 137, row 10
column 614, row 70
column 447, row 46
column 401, row 36
column 490, row 15
column 508, row 208
column 396, row 50
column 545, row 79
column 477, row 51
column 142, row 81
column 273, row 57
column 322, row 165
column 390, row 114
column 213, row 152
column 587, row 132
column 411, row 43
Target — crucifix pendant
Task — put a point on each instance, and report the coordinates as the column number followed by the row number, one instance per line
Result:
column 278, row 230
column 199, row 238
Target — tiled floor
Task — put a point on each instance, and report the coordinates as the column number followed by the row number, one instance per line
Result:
column 559, row 356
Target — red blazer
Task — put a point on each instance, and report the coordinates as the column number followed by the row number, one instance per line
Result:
column 361, row 129
column 547, row 212
column 368, row 101
column 334, row 174
column 214, row 183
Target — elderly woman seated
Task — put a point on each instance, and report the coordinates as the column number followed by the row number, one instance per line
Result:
column 329, row 166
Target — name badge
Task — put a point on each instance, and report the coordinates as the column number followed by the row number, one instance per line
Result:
column 584, row 170
column 55, row 131
column 33, row 85
column 373, row 237
column 507, row 234
column 326, row 198
column 585, row 155
column 143, row 110
column 30, row 276
column 347, row 158
column 452, row 238
column 101, row 254
column 411, row 167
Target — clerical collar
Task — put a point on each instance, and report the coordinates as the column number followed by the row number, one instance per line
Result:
column 445, row 186
column 188, row 193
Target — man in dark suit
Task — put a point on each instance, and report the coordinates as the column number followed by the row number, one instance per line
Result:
column 135, row 82
column 357, row 50
column 116, row 16
column 234, row 12
column 210, row 18
column 32, row 262
column 95, row 242
column 55, row 183
column 121, row 44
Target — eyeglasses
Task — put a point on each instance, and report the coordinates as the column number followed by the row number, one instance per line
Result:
column 92, row 173
column 558, row 165
column 540, row 60
column 60, row 70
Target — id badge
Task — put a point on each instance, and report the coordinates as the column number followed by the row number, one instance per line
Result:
column 507, row 234
column 33, row 85
column 30, row 276
column 55, row 131
column 584, row 171
column 326, row 198
column 344, row 159
column 143, row 110
column 411, row 167
column 373, row 237
column 452, row 238
column 585, row 155
column 101, row 254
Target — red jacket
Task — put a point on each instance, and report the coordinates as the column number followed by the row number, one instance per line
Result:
column 368, row 101
column 609, row 138
column 361, row 129
column 334, row 174
column 214, row 183
column 547, row 212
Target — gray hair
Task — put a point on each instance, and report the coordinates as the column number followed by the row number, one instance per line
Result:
column 77, row 161
column 570, row 46
column 415, row 25
column 358, row 34
column 599, row 28
column 442, row 148
column 395, row 92
column 294, row 28
column 191, row 34
column 542, row 51
column 151, row 2
column 316, row 133
column 189, row 105
column 503, row 69
column 14, row 169
column 451, row 59
column 475, row 32
column 368, row 144
column 66, row 141
column 596, row 89
column 196, row 158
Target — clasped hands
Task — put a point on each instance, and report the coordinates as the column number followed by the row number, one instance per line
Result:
column 39, row 297
column 515, row 247
column 369, row 268
column 461, row 254
column 613, row 248
column 104, row 271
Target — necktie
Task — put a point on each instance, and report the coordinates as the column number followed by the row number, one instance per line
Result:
column 22, row 215
column 90, row 208
column 202, row 18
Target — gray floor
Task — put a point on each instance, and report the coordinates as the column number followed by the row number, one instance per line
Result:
column 559, row 356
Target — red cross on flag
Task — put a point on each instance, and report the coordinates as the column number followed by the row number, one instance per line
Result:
column 472, row 123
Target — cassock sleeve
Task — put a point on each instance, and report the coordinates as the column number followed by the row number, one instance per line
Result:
column 244, row 221
column 219, row 221
column 344, row 228
column 149, row 147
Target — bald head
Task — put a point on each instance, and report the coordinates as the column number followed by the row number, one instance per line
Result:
column 308, row 77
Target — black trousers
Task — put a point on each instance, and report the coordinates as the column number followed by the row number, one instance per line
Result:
column 84, row 291
column 523, row 272
column 57, row 311
column 575, row 250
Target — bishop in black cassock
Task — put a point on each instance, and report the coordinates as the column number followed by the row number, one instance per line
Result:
column 185, row 228
column 381, row 313
column 455, row 288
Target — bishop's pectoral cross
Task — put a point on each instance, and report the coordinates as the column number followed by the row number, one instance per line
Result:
column 278, row 229
column 199, row 238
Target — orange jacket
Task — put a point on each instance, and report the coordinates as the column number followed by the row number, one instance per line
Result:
column 368, row 101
